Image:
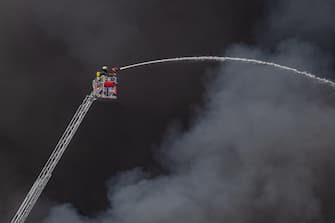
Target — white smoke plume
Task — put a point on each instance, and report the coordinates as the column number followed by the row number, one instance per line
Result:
column 260, row 151
column 255, row 155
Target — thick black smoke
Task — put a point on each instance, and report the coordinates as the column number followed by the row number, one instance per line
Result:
column 309, row 21
column 260, row 151
column 49, row 53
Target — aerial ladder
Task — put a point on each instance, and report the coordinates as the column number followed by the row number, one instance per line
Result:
column 103, row 88
column 45, row 175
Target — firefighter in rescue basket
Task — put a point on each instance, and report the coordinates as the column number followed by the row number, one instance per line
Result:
column 105, row 85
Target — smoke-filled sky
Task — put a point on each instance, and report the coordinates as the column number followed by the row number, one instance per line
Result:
column 185, row 142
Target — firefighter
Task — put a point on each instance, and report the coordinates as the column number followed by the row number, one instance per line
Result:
column 104, row 73
column 114, row 79
column 98, row 75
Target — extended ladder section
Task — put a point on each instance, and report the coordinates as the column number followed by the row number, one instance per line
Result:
column 45, row 175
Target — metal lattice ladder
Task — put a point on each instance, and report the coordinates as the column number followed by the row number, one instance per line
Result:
column 46, row 173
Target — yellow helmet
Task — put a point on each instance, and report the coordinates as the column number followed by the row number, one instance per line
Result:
column 98, row 74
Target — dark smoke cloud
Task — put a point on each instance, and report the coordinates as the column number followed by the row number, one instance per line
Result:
column 306, row 20
column 49, row 53
column 260, row 151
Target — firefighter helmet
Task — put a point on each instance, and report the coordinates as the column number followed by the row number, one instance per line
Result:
column 105, row 68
